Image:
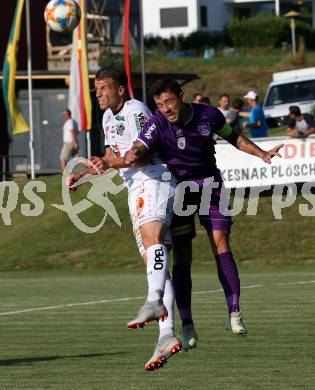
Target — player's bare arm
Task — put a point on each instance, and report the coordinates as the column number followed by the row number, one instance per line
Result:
column 241, row 142
column 100, row 165
column 137, row 154
column 75, row 143
column 109, row 160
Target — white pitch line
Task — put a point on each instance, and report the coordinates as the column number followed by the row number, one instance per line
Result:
column 220, row 289
column 69, row 305
column 296, row 283
column 9, row 313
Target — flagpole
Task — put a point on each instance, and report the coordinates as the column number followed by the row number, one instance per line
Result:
column 88, row 131
column 30, row 87
column 143, row 79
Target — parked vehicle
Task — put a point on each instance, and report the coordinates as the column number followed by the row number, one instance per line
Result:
column 290, row 88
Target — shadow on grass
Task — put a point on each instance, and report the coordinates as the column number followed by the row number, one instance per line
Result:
column 30, row 360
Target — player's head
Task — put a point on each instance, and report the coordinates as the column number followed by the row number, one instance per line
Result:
column 224, row 101
column 294, row 111
column 205, row 100
column 66, row 114
column 197, row 98
column 238, row 104
column 252, row 98
column 111, row 87
column 169, row 98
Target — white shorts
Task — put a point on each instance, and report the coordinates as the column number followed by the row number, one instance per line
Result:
column 151, row 199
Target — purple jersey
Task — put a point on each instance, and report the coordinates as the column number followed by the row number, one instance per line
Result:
column 188, row 150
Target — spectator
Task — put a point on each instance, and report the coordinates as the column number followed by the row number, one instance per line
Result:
column 224, row 103
column 300, row 125
column 256, row 124
column 205, row 100
column 233, row 117
column 197, row 97
column 70, row 140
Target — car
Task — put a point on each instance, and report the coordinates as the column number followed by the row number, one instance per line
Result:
column 289, row 88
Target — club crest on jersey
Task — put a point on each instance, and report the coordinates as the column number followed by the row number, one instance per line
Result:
column 120, row 129
column 181, row 143
column 204, row 129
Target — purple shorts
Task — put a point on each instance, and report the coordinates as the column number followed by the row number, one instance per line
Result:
column 212, row 219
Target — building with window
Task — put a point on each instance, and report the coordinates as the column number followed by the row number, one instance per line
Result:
column 173, row 17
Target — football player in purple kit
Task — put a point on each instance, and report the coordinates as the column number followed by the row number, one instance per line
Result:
column 183, row 135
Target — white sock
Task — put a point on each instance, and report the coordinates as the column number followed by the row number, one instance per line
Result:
column 167, row 326
column 157, row 269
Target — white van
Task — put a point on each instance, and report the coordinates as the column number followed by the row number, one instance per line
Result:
column 290, row 88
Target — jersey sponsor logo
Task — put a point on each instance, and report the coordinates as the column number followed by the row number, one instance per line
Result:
column 148, row 133
column 204, row 129
column 158, row 259
column 120, row 129
column 181, row 143
column 140, row 120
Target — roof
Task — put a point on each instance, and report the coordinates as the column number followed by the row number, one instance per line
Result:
column 292, row 75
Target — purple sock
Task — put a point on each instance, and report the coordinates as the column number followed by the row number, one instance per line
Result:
column 228, row 276
column 182, row 288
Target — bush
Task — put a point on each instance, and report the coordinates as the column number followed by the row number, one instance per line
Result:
column 307, row 32
column 199, row 40
column 264, row 30
column 267, row 30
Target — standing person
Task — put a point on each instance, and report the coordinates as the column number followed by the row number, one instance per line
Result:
column 300, row 125
column 224, row 103
column 197, row 98
column 70, row 139
column 149, row 204
column 233, row 117
column 205, row 100
column 256, row 124
column 183, row 134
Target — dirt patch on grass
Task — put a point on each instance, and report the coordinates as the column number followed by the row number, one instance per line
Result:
column 309, row 261
column 71, row 255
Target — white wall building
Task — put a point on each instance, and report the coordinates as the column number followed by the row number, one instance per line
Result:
column 173, row 17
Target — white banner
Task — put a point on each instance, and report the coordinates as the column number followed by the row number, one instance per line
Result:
column 240, row 169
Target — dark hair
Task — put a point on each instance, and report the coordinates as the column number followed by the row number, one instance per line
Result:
column 238, row 103
column 118, row 75
column 68, row 111
column 165, row 85
column 205, row 100
column 196, row 94
column 295, row 110
column 224, row 94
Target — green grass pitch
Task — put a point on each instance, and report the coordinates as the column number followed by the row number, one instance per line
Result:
column 88, row 346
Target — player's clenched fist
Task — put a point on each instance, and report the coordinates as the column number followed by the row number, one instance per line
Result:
column 99, row 164
column 71, row 180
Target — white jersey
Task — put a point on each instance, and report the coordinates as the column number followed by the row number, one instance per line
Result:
column 121, row 131
column 150, row 191
column 68, row 127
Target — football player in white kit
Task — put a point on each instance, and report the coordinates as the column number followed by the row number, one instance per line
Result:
column 151, row 190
